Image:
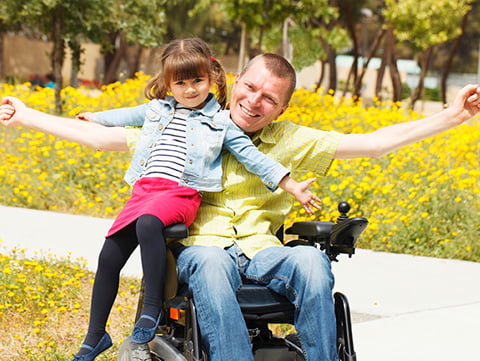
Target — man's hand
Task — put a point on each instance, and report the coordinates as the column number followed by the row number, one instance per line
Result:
column 466, row 104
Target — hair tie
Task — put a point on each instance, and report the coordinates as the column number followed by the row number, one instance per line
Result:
column 212, row 59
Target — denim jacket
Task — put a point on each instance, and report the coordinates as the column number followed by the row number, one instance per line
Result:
column 208, row 129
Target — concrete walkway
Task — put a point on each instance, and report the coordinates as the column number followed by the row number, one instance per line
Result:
column 404, row 308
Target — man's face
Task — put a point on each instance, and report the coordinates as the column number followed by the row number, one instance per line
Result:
column 258, row 98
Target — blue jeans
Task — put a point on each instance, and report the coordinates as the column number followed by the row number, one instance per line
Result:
column 302, row 274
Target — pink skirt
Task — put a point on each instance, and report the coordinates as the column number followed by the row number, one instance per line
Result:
column 159, row 197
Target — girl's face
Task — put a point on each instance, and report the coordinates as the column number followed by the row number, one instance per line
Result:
column 192, row 92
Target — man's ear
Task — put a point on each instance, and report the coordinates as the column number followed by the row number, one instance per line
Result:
column 237, row 78
column 285, row 107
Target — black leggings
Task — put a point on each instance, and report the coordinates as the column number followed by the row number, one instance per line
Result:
column 147, row 232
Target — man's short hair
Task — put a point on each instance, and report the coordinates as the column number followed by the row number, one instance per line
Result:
column 279, row 67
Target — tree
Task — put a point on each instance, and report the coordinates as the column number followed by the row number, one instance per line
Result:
column 451, row 55
column 424, row 25
column 8, row 22
column 62, row 21
column 139, row 22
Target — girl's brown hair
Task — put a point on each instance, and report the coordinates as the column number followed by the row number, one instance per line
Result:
column 186, row 59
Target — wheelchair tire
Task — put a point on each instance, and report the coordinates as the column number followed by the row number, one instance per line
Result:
column 130, row 351
column 158, row 349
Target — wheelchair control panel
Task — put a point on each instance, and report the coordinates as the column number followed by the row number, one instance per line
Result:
column 333, row 238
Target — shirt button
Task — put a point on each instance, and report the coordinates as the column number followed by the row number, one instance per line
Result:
column 186, row 181
column 150, row 144
column 160, row 127
column 190, row 162
column 141, row 162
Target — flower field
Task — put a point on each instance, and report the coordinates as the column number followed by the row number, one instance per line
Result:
column 423, row 199
column 44, row 305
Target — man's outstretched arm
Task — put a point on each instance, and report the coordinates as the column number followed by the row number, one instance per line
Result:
column 388, row 139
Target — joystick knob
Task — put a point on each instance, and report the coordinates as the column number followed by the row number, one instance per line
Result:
column 343, row 208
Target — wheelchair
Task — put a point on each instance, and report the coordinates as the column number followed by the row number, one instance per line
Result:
column 178, row 335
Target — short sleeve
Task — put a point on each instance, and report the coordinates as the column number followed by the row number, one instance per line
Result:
column 133, row 135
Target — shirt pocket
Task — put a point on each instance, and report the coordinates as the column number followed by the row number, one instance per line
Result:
column 212, row 135
column 152, row 122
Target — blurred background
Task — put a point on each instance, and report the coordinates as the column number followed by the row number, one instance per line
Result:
column 397, row 50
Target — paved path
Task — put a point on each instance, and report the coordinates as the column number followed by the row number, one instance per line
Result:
column 405, row 308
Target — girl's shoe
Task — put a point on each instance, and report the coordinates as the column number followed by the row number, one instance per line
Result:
column 145, row 335
column 104, row 343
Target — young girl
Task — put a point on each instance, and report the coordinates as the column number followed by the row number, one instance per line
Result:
column 177, row 156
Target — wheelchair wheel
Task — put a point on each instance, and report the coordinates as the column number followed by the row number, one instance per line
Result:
column 158, row 349
column 130, row 351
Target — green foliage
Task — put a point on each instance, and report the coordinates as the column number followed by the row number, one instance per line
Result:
column 141, row 21
column 426, row 23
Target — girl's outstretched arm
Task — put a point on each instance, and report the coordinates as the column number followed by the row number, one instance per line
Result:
column 13, row 112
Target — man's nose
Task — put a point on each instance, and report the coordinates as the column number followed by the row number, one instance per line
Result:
column 255, row 98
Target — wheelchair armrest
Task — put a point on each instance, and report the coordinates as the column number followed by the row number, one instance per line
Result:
column 317, row 229
column 178, row 230
column 346, row 233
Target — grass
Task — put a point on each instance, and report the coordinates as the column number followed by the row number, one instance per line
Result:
column 44, row 307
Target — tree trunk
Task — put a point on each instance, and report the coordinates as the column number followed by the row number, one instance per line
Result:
column 243, row 49
column 373, row 50
column 2, row 56
column 424, row 65
column 392, row 63
column 448, row 64
column 114, row 60
column 381, row 71
column 58, row 56
column 332, row 69
column 76, row 49
column 322, row 75
column 134, row 63
column 353, row 73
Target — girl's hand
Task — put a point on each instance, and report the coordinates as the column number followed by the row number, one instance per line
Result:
column 309, row 201
column 10, row 111
column 87, row 116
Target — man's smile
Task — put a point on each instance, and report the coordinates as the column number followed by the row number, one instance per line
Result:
column 248, row 112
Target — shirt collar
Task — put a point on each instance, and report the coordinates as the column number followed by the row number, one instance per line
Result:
column 265, row 135
column 208, row 110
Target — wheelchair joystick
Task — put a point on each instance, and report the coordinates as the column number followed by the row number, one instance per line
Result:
column 343, row 208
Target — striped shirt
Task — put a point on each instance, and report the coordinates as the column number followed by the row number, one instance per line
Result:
column 168, row 156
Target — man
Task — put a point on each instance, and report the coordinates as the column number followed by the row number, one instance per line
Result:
column 232, row 240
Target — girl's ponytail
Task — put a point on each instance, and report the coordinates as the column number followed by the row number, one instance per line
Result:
column 221, row 81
